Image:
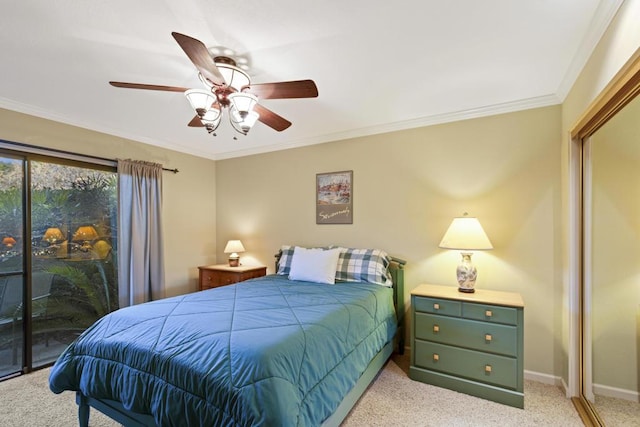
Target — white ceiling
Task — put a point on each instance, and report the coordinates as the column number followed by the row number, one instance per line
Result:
column 379, row 65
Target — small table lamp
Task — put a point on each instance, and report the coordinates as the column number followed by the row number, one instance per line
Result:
column 233, row 247
column 466, row 234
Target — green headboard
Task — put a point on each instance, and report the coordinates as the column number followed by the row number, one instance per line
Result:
column 397, row 274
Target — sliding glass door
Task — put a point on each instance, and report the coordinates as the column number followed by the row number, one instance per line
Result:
column 68, row 277
column 12, row 264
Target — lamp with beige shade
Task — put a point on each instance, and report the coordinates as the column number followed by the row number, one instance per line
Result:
column 233, row 247
column 466, row 234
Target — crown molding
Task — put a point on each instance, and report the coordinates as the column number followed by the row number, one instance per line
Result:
column 605, row 12
column 30, row 110
column 436, row 119
column 473, row 113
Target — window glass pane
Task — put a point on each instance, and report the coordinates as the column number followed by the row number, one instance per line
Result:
column 73, row 239
column 11, row 265
column 11, row 222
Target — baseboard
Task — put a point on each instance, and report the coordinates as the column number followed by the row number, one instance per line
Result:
column 598, row 389
column 543, row 378
column 565, row 388
column 618, row 393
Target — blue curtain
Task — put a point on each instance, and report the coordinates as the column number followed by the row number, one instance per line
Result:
column 140, row 243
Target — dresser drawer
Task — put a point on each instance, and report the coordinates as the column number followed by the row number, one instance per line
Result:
column 213, row 276
column 487, row 368
column 224, row 278
column 253, row 274
column 483, row 336
column 213, row 279
column 490, row 313
column 437, row 305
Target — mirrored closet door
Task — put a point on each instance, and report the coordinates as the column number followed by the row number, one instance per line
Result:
column 608, row 138
column 611, row 303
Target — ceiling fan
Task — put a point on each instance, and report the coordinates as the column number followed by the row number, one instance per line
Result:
column 229, row 86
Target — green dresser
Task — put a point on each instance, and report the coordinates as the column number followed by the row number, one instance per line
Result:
column 469, row 342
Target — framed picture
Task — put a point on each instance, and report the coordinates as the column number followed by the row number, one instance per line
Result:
column 334, row 198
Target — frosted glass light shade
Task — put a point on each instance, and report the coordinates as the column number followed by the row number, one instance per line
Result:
column 242, row 122
column 251, row 119
column 212, row 115
column 233, row 76
column 243, row 102
column 211, row 119
column 200, row 100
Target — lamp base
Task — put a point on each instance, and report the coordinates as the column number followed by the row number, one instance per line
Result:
column 466, row 274
column 234, row 262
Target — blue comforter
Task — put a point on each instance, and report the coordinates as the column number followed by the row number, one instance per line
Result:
column 269, row 352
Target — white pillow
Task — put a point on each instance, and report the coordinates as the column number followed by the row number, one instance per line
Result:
column 314, row 265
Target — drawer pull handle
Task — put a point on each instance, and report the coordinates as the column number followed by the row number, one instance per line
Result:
column 209, row 278
column 488, row 313
column 436, row 306
column 436, row 357
column 487, row 369
column 488, row 337
column 436, row 328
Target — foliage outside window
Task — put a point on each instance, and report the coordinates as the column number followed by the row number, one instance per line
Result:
column 72, row 240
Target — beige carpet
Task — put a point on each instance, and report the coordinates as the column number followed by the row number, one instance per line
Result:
column 393, row 399
column 618, row 412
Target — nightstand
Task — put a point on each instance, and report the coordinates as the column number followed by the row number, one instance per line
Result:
column 469, row 342
column 213, row 276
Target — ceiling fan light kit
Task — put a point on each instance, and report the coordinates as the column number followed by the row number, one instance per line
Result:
column 201, row 100
column 234, row 77
column 228, row 86
column 243, row 121
column 205, row 104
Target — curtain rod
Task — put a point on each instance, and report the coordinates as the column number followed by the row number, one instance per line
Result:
column 68, row 153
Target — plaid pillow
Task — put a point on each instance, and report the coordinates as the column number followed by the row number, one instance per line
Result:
column 284, row 263
column 364, row 265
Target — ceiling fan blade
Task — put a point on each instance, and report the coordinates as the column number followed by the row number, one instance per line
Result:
column 282, row 90
column 148, row 87
column 271, row 119
column 196, row 122
column 200, row 56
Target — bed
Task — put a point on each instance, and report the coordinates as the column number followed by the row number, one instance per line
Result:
column 270, row 351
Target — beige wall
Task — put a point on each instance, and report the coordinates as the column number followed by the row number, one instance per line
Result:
column 407, row 188
column 189, row 196
column 618, row 44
